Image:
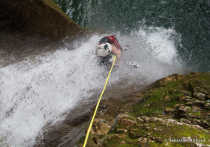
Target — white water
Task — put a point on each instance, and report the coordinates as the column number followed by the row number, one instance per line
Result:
column 33, row 93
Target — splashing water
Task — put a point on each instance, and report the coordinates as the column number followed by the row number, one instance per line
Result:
column 34, row 94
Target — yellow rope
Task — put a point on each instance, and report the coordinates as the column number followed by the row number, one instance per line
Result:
column 97, row 105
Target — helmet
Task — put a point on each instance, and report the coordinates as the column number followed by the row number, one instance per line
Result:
column 104, row 49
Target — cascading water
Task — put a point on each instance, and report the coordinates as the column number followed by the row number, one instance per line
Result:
column 191, row 19
column 36, row 92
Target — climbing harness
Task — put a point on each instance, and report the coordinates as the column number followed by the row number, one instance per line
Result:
column 97, row 105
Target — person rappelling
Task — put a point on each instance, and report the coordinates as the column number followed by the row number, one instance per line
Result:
column 106, row 48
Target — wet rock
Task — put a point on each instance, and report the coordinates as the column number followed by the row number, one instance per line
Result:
column 136, row 133
column 208, row 97
column 184, row 108
column 158, row 139
column 120, row 130
column 139, row 119
column 195, row 109
column 189, row 103
column 198, row 103
column 125, row 120
column 177, row 106
column 205, row 123
column 167, row 98
column 148, row 127
column 196, row 121
column 142, row 140
column 193, row 115
column 200, row 90
column 207, row 106
column 186, row 93
column 169, row 110
column 100, row 127
column 199, row 95
column 185, row 121
column 155, row 119
column 165, row 80
column 41, row 17
column 185, row 98
column 157, row 129
column 145, row 118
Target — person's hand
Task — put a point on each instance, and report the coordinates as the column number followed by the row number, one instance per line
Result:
column 116, row 51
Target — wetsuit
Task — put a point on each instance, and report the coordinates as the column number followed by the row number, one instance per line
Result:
column 113, row 41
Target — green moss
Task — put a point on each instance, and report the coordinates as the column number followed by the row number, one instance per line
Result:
column 120, row 141
column 165, row 135
column 168, row 144
column 178, row 132
column 200, row 80
column 161, row 133
column 196, row 114
column 135, row 133
column 154, row 101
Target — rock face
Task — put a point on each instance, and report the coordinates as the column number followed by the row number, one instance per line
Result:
column 31, row 28
column 42, row 17
column 174, row 111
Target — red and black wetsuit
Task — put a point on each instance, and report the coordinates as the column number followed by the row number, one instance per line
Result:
column 112, row 40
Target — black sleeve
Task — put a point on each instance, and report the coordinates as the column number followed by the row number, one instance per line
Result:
column 104, row 40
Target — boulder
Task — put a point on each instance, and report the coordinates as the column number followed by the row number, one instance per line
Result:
column 169, row 110
column 199, row 95
column 126, row 121
column 100, row 127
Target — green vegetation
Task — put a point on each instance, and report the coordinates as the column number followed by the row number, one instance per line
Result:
column 171, row 112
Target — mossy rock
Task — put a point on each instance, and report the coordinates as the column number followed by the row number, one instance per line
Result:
column 161, row 132
column 166, row 94
column 168, row 113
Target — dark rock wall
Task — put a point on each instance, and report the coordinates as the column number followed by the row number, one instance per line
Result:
column 36, row 17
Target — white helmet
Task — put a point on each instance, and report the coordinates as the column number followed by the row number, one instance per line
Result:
column 104, row 49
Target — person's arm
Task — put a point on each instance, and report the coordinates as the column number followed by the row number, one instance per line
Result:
column 116, row 51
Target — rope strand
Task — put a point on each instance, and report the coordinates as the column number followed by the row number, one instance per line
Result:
column 97, row 105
